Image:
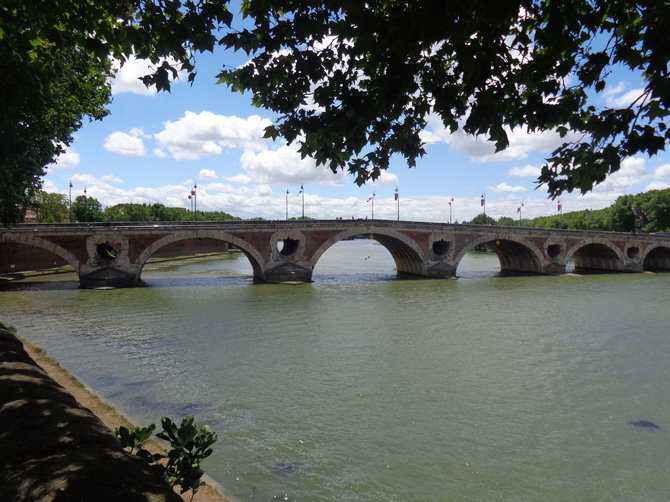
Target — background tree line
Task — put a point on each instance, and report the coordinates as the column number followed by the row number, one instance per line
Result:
column 644, row 212
column 53, row 208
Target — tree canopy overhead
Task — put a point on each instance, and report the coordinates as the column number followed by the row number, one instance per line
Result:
column 355, row 82
column 352, row 82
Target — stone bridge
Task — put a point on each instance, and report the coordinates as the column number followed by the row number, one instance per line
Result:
column 284, row 251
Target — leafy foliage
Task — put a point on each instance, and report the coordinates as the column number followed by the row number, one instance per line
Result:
column 483, row 219
column 87, row 209
column 55, row 60
column 643, row 212
column 50, row 207
column 189, row 446
column 355, row 82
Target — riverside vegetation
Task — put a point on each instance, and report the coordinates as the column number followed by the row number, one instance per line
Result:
column 190, row 445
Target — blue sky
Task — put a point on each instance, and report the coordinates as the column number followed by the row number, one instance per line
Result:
column 155, row 147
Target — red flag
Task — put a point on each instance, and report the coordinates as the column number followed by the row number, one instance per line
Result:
column 396, row 196
column 559, row 207
column 518, row 209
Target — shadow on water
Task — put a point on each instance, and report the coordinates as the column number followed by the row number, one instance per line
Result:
column 7, row 285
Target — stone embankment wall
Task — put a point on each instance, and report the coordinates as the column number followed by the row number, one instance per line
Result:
column 53, row 449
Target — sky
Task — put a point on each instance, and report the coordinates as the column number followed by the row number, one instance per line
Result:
column 154, row 147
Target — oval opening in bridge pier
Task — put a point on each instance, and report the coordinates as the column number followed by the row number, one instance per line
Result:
column 554, row 250
column 633, row 252
column 441, row 247
column 106, row 251
column 287, row 247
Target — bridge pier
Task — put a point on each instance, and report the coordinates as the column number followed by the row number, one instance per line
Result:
column 108, row 277
column 286, row 272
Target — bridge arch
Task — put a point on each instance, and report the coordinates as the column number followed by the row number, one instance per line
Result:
column 44, row 244
column 248, row 250
column 513, row 255
column 596, row 254
column 406, row 253
column 657, row 258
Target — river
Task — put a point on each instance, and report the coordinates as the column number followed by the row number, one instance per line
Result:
column 364, row 387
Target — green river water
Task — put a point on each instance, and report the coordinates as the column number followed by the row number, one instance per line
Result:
column 364, row 387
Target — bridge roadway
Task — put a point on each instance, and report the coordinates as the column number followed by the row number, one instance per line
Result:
column 113, row 254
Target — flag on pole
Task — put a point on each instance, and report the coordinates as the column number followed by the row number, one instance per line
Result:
column 482, row 201
column 301, row 189
column 396, row 195
column 559, row 206
column 518, row 209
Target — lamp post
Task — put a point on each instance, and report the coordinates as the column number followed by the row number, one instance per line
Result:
column 287, row 204
column 195, row 201
column 397, row 198
column 452, row 200
column 70, row 201
column 85, row 205
column 302, row 191
column 482, row 202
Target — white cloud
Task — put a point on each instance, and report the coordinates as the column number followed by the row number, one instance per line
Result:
column 207, row 174
column 505, row 188
column 386, row 178
column 127, row 78
column 124, row 144
column 196, row 135
column 159, row 153
column 662, row 171
column 624, row 100
column 66, row 160
column 240, row 178
column 657, row 185
column 480, row 149
column 110, row 178
column 617, row 89
column 632, row 172
column 285, row 166
column 523, row 171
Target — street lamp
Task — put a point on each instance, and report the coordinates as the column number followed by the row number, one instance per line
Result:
column 302, row 191
column 85, row 205
column 397, row 198
column 195, row 201
column 452, row 200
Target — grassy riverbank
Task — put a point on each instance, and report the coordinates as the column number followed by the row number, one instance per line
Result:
column 110, row 417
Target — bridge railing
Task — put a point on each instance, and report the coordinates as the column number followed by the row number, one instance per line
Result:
column 320, row 223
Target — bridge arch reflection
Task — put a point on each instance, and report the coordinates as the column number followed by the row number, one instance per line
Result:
column 249, row 251
column 407, row 255
column 597, row 255
column 657, row 258
column 512, row 255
